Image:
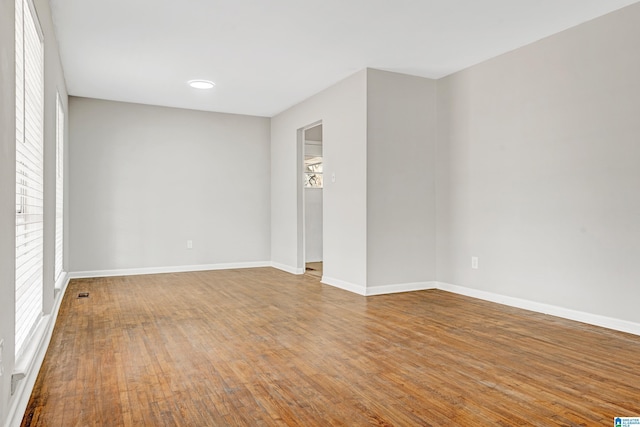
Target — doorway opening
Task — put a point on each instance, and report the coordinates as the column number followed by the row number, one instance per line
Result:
column 311, row 162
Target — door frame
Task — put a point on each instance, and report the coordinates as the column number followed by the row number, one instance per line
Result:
column 301, row 240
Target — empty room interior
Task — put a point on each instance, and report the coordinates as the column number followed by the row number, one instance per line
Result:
column 221, row 213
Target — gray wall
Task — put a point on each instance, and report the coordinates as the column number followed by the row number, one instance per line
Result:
column 145, row 179
column 342, row 109
column 401, row 140
column 538, row 170
column 54, row 81
column 379, row 214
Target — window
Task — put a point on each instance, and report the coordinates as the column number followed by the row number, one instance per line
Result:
column 29, row 172
column 313, row 164
column 59, row 188
column 313, row 172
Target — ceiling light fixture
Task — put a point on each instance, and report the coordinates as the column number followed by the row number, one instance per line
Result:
column 201, row 84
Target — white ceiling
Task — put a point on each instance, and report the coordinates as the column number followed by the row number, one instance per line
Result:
column 267, row 55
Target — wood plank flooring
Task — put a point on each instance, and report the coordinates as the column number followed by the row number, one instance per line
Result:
column 260, row 347
column 314, row 269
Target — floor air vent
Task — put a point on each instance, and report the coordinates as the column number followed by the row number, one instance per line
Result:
column 83, row 295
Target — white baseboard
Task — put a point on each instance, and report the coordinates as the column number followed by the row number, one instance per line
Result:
column 286, row 268
column 566, row 313
column 31, row 360
column 402, row 287
column 351, row 287
column 172, row 269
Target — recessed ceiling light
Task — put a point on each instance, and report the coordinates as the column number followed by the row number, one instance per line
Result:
column 201, row 84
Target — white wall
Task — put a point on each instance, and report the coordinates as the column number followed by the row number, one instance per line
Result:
column 145, row 179
column 342, row 109
column 538, row 171
column 54, row 81
column 401, row 140
column 313, row 224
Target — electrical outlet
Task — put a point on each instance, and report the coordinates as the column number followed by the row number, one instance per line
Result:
column 474, row 262
column 189, row 244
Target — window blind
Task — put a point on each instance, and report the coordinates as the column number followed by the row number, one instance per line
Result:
column 29, row 173
column 59, row 188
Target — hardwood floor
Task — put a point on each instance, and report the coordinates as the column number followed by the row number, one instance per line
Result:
column 261, row 347
column 314, row 269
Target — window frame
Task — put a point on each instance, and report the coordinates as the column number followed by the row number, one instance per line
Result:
column 59, row 217
column 29, row 239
